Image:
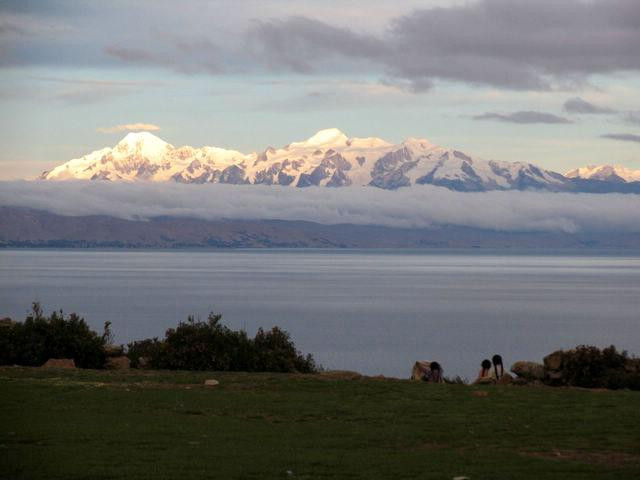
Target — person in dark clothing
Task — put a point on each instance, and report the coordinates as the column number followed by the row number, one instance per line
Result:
column 498, row 368
column 435, row 373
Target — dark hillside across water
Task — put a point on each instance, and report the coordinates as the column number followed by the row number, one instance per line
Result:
column 24, row 227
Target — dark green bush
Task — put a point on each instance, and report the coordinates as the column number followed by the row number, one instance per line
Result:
column 150, row 350
column 39, row 338
column 275, row 352
column 210, row 345
column 590, row 367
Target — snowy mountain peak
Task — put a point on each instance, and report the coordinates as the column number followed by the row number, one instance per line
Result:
column 419, row 143
column 144, row 143
column 133, row 138
column 331, row 136
column 609, row 173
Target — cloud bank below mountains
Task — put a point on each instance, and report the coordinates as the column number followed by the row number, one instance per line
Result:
column 423, row 206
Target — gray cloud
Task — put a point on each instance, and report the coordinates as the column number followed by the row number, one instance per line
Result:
column 10, row 28
column 624, row 137
column 581, row 106
column 39, row 7
column 514, row 44
column 127, row 54
column 298, row 42
column 179, row 55
column 632, row 117
column 74, row 91
column 87, row 94
column 93, row 81
column 410, row 207
column 523, row 117
column 507, row 43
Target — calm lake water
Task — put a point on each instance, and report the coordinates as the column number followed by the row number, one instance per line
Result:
column 370, row 311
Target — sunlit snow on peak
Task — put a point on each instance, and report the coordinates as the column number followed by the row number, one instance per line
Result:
column 326, row 136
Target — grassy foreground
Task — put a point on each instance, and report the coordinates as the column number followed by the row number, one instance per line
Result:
column 88, row 424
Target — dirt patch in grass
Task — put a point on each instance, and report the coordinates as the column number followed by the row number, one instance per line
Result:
column 480, row 393
column 611, row 459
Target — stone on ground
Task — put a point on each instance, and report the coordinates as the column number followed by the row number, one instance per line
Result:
column 118, row 363
column 528, row 370
column 553, row 361
column 113, row 350
column 59, row 363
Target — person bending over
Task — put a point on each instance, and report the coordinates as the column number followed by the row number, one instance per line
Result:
column 485, row 370
column 498, row 369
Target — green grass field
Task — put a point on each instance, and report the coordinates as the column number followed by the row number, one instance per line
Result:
column 87, row 424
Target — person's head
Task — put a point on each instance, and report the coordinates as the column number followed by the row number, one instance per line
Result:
column 496, row 359
column 486, row 364
column 435, row 367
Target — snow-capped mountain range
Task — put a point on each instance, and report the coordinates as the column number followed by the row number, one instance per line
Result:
column 329, row 158
column 606, row 173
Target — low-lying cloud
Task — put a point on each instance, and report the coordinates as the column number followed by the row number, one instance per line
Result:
column 523, row 117
column 414, row 207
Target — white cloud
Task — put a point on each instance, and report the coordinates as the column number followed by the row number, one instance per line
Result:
column 422, row 206
column 129, row 127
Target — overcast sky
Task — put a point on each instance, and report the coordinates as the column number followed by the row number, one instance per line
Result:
column 551, row 82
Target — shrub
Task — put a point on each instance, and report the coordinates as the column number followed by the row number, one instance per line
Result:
column 151, row 350
column 275, row 352
column 39, row 338
column 197, row 345
column 590, row 367
column 210, row 345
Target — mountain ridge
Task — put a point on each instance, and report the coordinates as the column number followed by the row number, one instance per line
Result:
column 328, row 158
